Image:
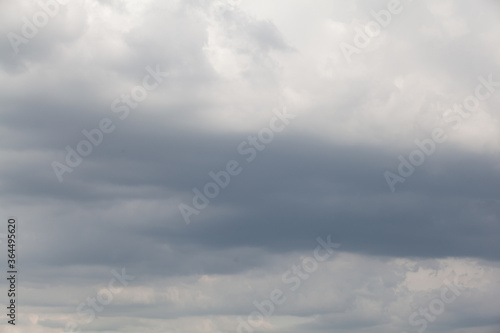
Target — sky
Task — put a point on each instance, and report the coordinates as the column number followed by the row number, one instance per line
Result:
column 192, row 166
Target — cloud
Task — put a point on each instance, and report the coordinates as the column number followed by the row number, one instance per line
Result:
column 229, row 65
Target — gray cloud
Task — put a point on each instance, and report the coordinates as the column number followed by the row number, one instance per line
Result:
column 229, row 65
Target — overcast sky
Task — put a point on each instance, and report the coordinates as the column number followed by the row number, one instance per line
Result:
column 252, row 165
